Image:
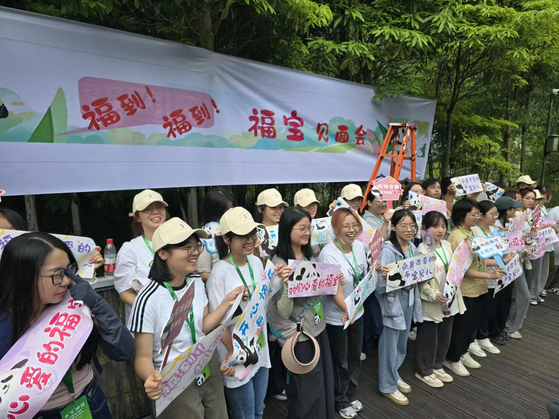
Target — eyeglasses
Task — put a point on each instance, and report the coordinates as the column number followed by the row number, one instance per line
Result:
column 58, row 275
column 191, row 248
column 475, row 214
column 247, row 237
column 348, row 227
column 303, row 229
column 406, row 227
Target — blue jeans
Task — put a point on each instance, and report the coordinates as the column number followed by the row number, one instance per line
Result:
column 247, row 401
column 392, row 348
column 95, row 398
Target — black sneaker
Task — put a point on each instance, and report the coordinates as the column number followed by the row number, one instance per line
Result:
column 499, row 340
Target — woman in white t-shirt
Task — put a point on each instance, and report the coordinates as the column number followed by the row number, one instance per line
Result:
column 239, row 267
column 433, row 335
column 177, row 247
column 135, row 257
column 351, row 254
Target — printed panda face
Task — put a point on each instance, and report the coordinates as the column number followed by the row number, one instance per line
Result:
column 316, row 319
column 304, row 271
column 9, row 382
column 394, row 278
column 476, row 247
column 415, row 201
column 200, row 379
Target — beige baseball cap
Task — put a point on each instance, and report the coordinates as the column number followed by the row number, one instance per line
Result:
column 525, row 179
column 538, row 194
column 144, row 199
column 174, row 231
column 305, row 197
column 351, row 191
column 237, row 220
column 271, row 198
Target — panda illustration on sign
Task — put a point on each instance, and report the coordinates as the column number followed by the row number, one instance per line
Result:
column 305, row 271
column 394, row 278
column 9, row 382
column 248, row 355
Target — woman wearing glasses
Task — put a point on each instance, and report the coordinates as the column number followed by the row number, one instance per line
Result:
column 135, row 257
column 398, row 308
column 238, row 267
column 37, row 270
column 345, row 344
column 309, row 395
column 177, row 248
column 466, row 215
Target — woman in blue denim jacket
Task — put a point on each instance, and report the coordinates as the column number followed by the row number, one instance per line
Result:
column 397, row 307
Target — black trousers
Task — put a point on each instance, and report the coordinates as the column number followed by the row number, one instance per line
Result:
column 278, row 372
column 464, row 329
column 346, row 357
column 372, row 323
column 488, row 308
column 311, row 395
column 431, row 345
column 503, row 301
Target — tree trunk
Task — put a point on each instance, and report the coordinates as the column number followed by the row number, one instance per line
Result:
column 525, row 131
column 192, row 207
column 205, row 26
column 448, row 142
column 31, row 213
column 76, row 222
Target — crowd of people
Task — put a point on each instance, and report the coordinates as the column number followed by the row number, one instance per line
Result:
column 166, row 256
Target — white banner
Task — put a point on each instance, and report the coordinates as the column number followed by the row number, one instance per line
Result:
column 87, row 106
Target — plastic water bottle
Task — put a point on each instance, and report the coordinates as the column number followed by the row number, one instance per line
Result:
column 110, row 259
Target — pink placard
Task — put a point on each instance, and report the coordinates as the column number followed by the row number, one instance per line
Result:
column 375, row 246
column 107, row 104
column 180, row 312
column 35, row 365
column 312, row 278
column 536, row 215
column 390, row 188
column 460, row 261
column 516, row 242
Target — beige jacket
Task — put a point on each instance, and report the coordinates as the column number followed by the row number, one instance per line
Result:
column 430, row 289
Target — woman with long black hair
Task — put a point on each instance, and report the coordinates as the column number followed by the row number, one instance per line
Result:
column 37, row 270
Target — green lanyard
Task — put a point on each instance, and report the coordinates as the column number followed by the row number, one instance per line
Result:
column 146, row 241
column 69, row 381
column 410, row 251
column 355, row 269
column 483, row 231
column 190, row 319
column 443, row 259
column 241, row 274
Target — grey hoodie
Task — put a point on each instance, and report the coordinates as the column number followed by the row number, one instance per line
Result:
column 392, row 312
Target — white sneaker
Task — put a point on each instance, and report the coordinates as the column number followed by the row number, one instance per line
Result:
column 363, row 357
column 476, row 350
column 486, row 344
column 403, row 386
column 357, row 405
column 413, row 334
column 515, row 335
column 430, row 380
column 457, row 368
column 444, row 376
column 469, row 362
column 397, row 398
column 533, row 303
column 348, row 413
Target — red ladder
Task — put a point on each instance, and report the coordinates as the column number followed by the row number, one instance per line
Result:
column 400, row 137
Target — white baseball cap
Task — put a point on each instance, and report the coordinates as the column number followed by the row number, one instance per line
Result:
column 271, row 198
column 305, row 197
column 351, row 191
column 525, row 179
column 144, row 199
column 538, row 194
column 237, row 220
column 174, row 231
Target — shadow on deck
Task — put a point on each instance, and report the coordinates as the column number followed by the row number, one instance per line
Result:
column 518, row 383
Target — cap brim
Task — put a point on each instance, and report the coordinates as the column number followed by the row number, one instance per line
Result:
column 307, row 203
column 151, row 202
column 291, row 362
column 184, row 235
column 243, row 229
column 276, row 203
column 350, row 197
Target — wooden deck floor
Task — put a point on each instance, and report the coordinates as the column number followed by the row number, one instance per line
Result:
column 518, row 383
